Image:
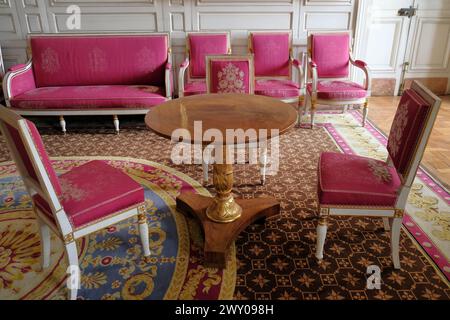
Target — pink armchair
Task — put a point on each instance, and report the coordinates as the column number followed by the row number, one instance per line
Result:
column 351, row 185
column 198, row 46
column 274, row 64
column 81, row 201
column 91, row 74
column 329, row 70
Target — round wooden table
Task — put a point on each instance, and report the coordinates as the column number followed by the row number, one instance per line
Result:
column 222, row 217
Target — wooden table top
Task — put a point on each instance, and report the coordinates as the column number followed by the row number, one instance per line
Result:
column 221, row 111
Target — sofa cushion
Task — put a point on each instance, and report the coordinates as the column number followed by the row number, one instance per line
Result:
column 79, row 97
column 99, row 60
column 351, row 180
column 277, row 88
column 195, row 87
column 93, row 191
column 338, row 90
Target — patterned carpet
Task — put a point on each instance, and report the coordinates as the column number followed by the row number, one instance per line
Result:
column 276, row 260
column 112, row 264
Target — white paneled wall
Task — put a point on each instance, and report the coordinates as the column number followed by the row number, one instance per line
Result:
column 21, row 17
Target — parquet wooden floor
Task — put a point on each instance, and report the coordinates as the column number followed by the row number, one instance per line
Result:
column 437, row 153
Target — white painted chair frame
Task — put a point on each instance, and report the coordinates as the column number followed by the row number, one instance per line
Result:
column 63, row 228
column 85, row 112
column 392, row 216
column 313, row 101
column 182, row 75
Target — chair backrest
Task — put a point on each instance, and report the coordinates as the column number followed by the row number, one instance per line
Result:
column 201, row 44
column 230, row 74
column 32, row 161
column 411, row 128
column 331, row 52
column 99, row 59
column 272, row 52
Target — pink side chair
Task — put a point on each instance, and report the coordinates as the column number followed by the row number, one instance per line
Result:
column 231, row 74
column 350, row 185
column 198, row 46
column 79, row 202
column 329, row 59
column 274, row 64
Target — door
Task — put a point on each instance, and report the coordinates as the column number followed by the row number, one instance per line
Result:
column 402, row 40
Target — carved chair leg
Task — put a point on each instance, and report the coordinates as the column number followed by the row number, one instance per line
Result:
column 62, row 123
column 300, row 110
column 321, row 235
column 395, row 224
column 143, row 230
column 45, row 244
column 72, row 255
column 313, row 112
column 305, row 106
column 365, row 112
column 386, row 224
column 116, row 123
column 263, row 164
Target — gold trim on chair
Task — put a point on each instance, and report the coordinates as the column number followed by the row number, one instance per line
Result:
column 68, row 238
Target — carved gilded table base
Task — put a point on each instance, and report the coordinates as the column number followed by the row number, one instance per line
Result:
column 223, row 217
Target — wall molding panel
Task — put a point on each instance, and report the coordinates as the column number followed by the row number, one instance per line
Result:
column 20, row 18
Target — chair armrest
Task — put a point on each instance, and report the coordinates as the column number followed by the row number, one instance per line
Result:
column 363, row 66
column 168, row 79
column 311, row 63
column 181, row 73
column 18, row 79
column 360, row 64
column 313, row 71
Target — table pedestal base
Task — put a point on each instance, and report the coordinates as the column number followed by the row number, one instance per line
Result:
column 219, row 236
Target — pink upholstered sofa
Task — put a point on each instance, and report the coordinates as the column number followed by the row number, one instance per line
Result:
column 91, row 74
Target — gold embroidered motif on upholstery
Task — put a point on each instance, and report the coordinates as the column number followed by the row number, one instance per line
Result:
column 231, row 80
column 380, row 171
column 98, row 60
column 398, row 127
column 50, row 61
column 71, row 191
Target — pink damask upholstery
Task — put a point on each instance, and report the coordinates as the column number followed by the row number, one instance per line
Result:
column 351, row 180
column 271, row 53
column 80, row 97
column 201, row 45
column 230, row 75
column 407, row 127
column 195, row 87
column 93, row 191
column 338, row 90
column 330, row 52
column 99, row 60
column 25, row 158
column 276, row 88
